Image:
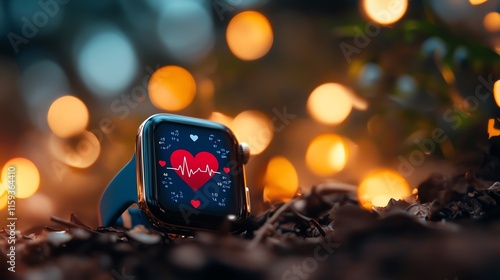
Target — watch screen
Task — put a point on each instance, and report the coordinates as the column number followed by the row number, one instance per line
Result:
column 194, row 167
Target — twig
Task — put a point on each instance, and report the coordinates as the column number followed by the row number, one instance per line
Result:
column 260, row 233
column 69, row 224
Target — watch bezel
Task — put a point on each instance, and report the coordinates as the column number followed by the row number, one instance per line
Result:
column 147, row 183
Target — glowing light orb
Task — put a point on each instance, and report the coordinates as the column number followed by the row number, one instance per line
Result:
column 249, row 35
column 492, row 131
column 379, row 187
column 185, row 29
column 3, row 197
column 253, row 128
column 327, row 154
column 477, row 2
column 106, row 61
column 385, row 12
column 81, row 152
column 68, row 116
column 491, row 22
column 221, row 118
column 171, row 88
column 330, row 103
column 281, row 180
column 24, row 174
column 38, row 207
column 496, row 92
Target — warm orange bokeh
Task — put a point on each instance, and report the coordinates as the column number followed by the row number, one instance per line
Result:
column 3, row 197
column 380, row 186
column 80, row 153
column 249, row 35
column 492, row 131
column 25, row 174
column 281, row 180
column 385, row 11
column 330, row 103
column 327, row 154
column 496, row 92
column 491, row 22
column 253, row 128
column 477, row 2
column 171, row 88
column 68, row 116
column 221, row 118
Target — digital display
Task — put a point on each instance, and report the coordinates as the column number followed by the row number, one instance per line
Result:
column 195, row 170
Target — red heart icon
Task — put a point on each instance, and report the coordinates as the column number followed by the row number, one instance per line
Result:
column 162, row 163
column 226, row 169
column 196, row 203
column 195, row 171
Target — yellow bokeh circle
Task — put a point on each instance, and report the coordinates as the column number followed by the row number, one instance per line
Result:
column 496, row 92
column 477, row 2
column 327, row 154
column 23, row 175
column 249, row 35
column 68, row 116
column 380, row 186
column 281, row 180
column 330, row 103
column 171, row 88
column 385, row 11
column 491, row 22
column 3, row 197
column 253, row 128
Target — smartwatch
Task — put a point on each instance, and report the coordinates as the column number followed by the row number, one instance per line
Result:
column 186, row 175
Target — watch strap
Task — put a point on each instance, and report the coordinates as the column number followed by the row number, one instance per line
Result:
column 119, row 195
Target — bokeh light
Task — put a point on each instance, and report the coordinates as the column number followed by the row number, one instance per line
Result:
column 491, row 22
column 327, row 154
column 186, row 29
column 253, row 128
column 249, row 35
column 3, row 197
column 107, row 62
column 42, row 82
column 206, row 88
column 221, row 118
column 496, row 92
column 281, row 180
column 477, row 2
column 81, row 152
column 385, row 11
column 380, row 186
column 492, row 130
column 370, row 75
column 434, row 47
column 330, row 103
column 171, row 88
column 38, row 207
column 68, row 116
column 27, row 177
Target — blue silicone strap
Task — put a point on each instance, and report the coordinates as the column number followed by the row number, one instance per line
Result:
column 119, row 195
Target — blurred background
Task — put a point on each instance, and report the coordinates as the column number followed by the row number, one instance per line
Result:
column 373, row 93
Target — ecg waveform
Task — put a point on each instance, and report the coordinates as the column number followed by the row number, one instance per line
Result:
column 185, row 168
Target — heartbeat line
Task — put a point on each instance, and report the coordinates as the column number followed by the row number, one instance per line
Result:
column 185, row 167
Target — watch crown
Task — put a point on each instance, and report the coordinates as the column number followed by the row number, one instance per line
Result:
column 245, row 152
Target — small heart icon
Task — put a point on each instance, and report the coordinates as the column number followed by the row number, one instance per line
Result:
column 195, row 202
column 193, row 137
column 226, row 169
column 162, row 163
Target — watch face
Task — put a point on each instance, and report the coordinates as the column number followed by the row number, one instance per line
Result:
column 198, row 182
